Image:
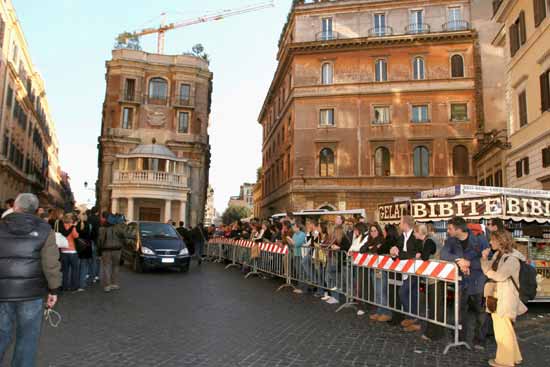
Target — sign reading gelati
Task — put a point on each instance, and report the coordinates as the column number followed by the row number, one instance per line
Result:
column 471, row 207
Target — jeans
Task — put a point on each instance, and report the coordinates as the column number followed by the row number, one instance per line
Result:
column 198, row 250
column 409, row 295
column 70, row 266
column 473, row 315
column 86, row 272
column 300, row 273
column 27, row 316
column 381, row 293
column 95, row 260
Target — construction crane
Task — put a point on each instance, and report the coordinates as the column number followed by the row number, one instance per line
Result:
column 219, row 15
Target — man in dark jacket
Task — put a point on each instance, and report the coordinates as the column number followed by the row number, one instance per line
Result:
column 93, row 220
column 29, row 271
column 198, row 238
column 464, row 248
column 110, row 241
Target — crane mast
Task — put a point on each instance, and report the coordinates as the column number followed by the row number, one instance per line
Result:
column 163, row 28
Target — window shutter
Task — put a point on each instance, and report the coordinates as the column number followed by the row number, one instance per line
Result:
column 513, row 35
column 526, row 165
column 2, row 32
column 540, row 11
column 518, row 169
column 522, row 29
column 545, row 91
column 522, row 105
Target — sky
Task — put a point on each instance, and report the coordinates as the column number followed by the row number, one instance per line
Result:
column 70, row 40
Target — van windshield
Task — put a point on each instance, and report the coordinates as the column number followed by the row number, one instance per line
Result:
column 157, row 230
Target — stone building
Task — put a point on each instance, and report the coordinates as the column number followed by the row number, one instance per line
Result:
column 371, row 101
column 154, row 152
column 525, row 40
column 29, row 147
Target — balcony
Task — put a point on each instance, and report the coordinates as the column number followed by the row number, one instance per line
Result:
column 182, row 101
column 456, row 25
column 417, row 28
column 380, row 31
column 327, row 36
column 153, row 178
column 157, row 100
column 130, row 98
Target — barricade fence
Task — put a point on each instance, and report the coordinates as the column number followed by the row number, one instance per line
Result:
column 423, row 290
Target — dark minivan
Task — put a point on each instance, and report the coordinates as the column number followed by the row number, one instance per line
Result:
column 155, row 245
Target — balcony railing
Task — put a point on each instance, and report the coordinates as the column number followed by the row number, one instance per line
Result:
column 151, row 178
column 158, row 100
column 182, row 101
column 417, row 28
column 130, row 98
column 380, row 31
column 456, row 25
column 327, row 36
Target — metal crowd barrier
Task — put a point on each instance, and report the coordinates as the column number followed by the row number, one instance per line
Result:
column 415, row 288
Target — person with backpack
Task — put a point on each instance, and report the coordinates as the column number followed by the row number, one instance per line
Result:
column 502, row 294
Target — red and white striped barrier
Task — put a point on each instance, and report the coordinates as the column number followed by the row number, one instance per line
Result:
column 431, row 268
column 275, row 248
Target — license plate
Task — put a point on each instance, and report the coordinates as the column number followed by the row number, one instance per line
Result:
column 167, row 260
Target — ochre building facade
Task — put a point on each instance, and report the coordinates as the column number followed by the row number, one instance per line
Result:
column 154, row 152
column 371, row 102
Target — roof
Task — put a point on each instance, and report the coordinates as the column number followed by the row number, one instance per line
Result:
column 152, row 150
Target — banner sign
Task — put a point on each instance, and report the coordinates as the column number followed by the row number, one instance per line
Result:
column 520, row 207
column 447, row 192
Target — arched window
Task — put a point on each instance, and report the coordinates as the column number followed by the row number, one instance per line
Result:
column 158, row 89
column 457, row 66
column 418, row 68
column 421, row 160
column 461, row 161
column 326, row 163
column 381, row 70
column 382, row 162
column 326, row 73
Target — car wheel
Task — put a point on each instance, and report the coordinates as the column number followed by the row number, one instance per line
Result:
column 138, row 265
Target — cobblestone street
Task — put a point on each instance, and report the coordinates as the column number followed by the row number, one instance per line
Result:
column 212, row 317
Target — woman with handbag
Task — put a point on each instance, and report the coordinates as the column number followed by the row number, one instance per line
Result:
column 502, row 296
column 84, row 249
column 70, row 263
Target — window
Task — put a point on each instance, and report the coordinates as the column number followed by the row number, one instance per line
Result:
column 127, row 117
column 326, row 117
column 327, row 29
column 183, row 122
column 455, row 21
column 421, row 161
column 380, row 24
column 489, row 181
column 326, row 73
column 417, row 21
column 326, row 163
column 461, row 161
column 540, row 11
column 381, row 70
column 545, row 91
column 158, row 89
column 381, row 115
column 522, row 167
column 185, row 92
column 130, row 89
column 2, row 32
column 457, row 66
column 522, row 109
column 546, row 157
column 420, row 113
column 418, row 66
column 459, row 112
column 481, row 182
column 498, row 178
column 9, row 97
column 382, row 162
column 517, row 33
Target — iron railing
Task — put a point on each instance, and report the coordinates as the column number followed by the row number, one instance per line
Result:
column 417, row 28
column 380, row 31
column 456, row 25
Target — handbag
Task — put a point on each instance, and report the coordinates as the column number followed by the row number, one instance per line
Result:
column 491, row 303
column 83, row 248
column 60, row 240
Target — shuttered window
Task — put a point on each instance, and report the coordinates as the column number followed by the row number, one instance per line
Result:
column 519, row 171
column 546, row 157
column 457, row 66
column 522, row 108
column 545, row 90
column 522, row 167
column 461, row 161
column 540, row 11
column 517, row 33
column 2, row 32
column 498, row 178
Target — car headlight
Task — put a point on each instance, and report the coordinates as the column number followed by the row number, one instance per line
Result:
column 184, row 251
column 147, row 251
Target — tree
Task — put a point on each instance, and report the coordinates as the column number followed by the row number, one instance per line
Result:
column 198, row 50
column 127, row 40
column 235, row 213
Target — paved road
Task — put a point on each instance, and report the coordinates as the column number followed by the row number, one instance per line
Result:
column 212, row 317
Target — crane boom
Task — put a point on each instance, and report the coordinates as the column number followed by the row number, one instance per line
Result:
column 163, row 28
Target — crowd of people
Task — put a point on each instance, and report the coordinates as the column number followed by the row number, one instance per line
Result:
column 319, row 249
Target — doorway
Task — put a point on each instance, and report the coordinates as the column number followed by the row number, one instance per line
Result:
column 149, row 214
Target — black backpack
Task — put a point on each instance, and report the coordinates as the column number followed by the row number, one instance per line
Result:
column 527, row 282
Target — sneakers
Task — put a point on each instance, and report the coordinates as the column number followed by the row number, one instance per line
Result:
column 107, row 289
column 479, row 347
column 298, row 291
column 115, row 287
column 334, row 289
column 332, row 301
column 425, row 338
column 407, row 322
column 360, row 313
column 325, row 298
column 96, row 279
column 79, row 290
